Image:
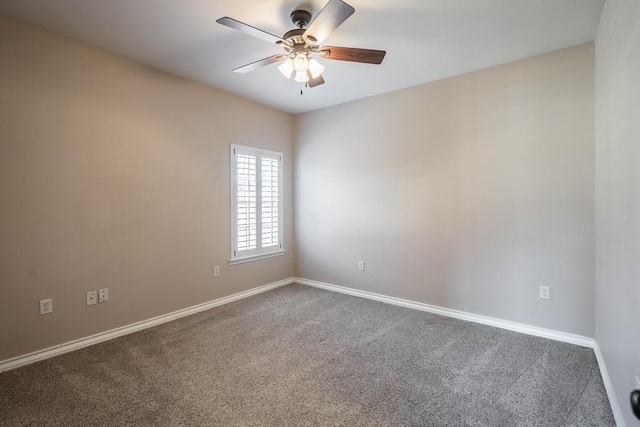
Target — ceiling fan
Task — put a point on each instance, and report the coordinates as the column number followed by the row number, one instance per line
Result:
column 302, row 44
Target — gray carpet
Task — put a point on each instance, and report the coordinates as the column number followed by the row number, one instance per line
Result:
column 300, row 356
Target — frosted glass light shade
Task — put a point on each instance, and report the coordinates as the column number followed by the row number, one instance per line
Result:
column 315, row 68
column 302, row 77
column 301, row 63
column 286, row 68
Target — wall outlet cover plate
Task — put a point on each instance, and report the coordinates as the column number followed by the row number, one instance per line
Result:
column 545, row 292
column 103, row 295
column 46, row 306
column 92, row 297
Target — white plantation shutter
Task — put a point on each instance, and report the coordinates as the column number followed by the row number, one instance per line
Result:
column 270, row 201
column 256, row 203
column 247, row 200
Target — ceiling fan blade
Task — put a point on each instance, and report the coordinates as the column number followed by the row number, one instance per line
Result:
column 248, row 29
column 315, row 82
column 259, row 64
column 353, row 54
column 330, row 17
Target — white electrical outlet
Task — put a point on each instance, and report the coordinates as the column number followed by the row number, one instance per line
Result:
column 637, row 383
column 92, row 297
column 545, row 292
column 103, row 295
column 361, row 265
column 46, row 306
column 216, row 270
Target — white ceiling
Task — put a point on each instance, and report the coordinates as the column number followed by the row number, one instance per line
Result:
column 425, row 40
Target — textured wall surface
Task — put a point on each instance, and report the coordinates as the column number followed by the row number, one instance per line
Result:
column 116, row 175
column 618, row 196
column 467, row 193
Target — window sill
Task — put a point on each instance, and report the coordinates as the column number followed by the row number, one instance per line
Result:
column 255, row 257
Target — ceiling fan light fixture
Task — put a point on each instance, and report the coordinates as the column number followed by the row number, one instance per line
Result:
column 302, row 77
column 286, row 68
column 315, row 68
column 305, row 41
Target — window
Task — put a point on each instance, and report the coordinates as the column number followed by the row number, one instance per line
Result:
column 256, row 204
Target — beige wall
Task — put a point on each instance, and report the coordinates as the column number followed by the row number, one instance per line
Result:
column 618, row 196
column 115, row 175
column 466, row 193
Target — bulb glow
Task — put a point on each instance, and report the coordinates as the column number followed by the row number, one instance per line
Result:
column 301, row 63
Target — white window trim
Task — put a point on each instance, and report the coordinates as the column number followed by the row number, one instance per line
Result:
column 242, row 260
column 237, row 257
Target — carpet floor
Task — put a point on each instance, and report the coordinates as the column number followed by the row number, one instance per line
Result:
column 300, row 356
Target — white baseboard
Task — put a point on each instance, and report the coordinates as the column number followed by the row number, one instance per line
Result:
column 47, row 353
column 504, row 324
column 608, row 385
column 36, row 356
